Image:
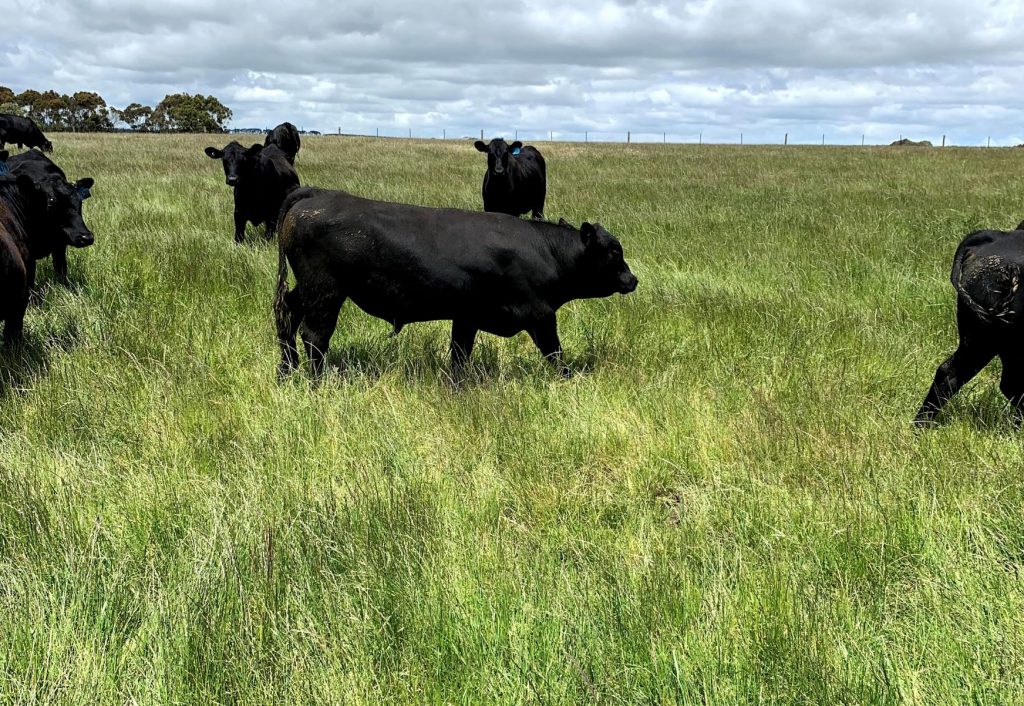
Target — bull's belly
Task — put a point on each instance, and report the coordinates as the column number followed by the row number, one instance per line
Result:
column 499, row 320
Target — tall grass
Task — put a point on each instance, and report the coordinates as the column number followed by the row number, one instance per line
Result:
column 726, row 505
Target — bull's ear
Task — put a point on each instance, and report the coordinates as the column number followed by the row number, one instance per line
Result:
column 588, row 234
column 84, row 185
column 254, row 150
column 214, row 153
column 480, row 145
column 26, row 184
column 517, row 145
column 564, row 223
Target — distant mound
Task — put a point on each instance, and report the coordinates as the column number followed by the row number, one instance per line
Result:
column 910, row 143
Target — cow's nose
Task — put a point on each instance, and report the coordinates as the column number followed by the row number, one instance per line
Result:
column 232, row 180
column 84, row 239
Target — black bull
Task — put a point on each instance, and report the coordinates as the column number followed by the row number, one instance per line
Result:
column 988, row 271
column 401, row 263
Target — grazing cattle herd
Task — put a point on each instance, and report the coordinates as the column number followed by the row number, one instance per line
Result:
column 483, row 271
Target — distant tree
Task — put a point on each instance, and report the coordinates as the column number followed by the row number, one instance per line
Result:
column 7, row 96
column 28, row 101
column 135, row 115
column 87, row 112
column 181, row 112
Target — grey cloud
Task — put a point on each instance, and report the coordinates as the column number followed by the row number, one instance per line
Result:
column 874, row 67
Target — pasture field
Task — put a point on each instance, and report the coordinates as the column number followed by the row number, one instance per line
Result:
column 726, row 505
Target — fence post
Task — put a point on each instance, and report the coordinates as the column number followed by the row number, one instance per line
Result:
column 628, row 135
column 943, row 140
column 785, row 140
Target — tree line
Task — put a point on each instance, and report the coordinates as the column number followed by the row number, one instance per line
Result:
column 85, row 111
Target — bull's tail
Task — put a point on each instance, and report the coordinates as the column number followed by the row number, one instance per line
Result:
column 287, row 306
column 988, row 285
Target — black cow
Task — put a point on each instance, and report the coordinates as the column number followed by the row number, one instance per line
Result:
column 21, row 131
column 23, row 215
column 516, row 180
column 261, row 177
column 988, row 270
column 286, row 137
column 64, row 198
column 401, row 263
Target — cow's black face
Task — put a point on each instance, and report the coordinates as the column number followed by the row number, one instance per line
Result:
column 64, row 210
column 237, row 160
column 498, row 154
column 605, row 269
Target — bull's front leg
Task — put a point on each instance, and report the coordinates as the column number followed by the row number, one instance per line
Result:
column 30, row 274
column 60, row 264
column 545, row 337
column 240, row 220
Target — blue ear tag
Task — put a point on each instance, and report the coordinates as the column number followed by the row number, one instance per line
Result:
column 3, row 168
column 84, row 193
column 515, row 152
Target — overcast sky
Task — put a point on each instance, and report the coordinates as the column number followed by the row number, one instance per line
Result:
column 883, row 68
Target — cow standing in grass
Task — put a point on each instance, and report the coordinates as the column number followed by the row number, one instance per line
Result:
column 988, row 274
column 403, row 264
column 261, row 177
column 64, row 199
column 286, row 137
column 21, row 131
column 25, row 230
column 516, row 180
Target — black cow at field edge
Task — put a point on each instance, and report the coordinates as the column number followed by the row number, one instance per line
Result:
column 401, row 263
column 60, row 194
column 21, row 131
column 988, row 270
column 261, row 177
column 286, row 137
column 23, row 231
column 516, row 180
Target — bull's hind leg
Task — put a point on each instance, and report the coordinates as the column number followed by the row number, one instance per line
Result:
column 545, row 337
column 321, row 318
column 974, row 353
column 288, row 319
column 1012, row 384
column 463, row 338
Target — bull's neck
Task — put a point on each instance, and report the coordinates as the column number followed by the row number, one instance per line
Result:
column 567, row 249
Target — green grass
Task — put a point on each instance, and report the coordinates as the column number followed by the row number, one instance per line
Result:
column 727, row 505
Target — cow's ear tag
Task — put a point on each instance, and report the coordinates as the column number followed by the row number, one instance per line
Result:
column 3, row 168
column 515, row 152
column 84, row 193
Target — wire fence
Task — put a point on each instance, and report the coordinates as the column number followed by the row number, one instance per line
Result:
column 717, row 137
